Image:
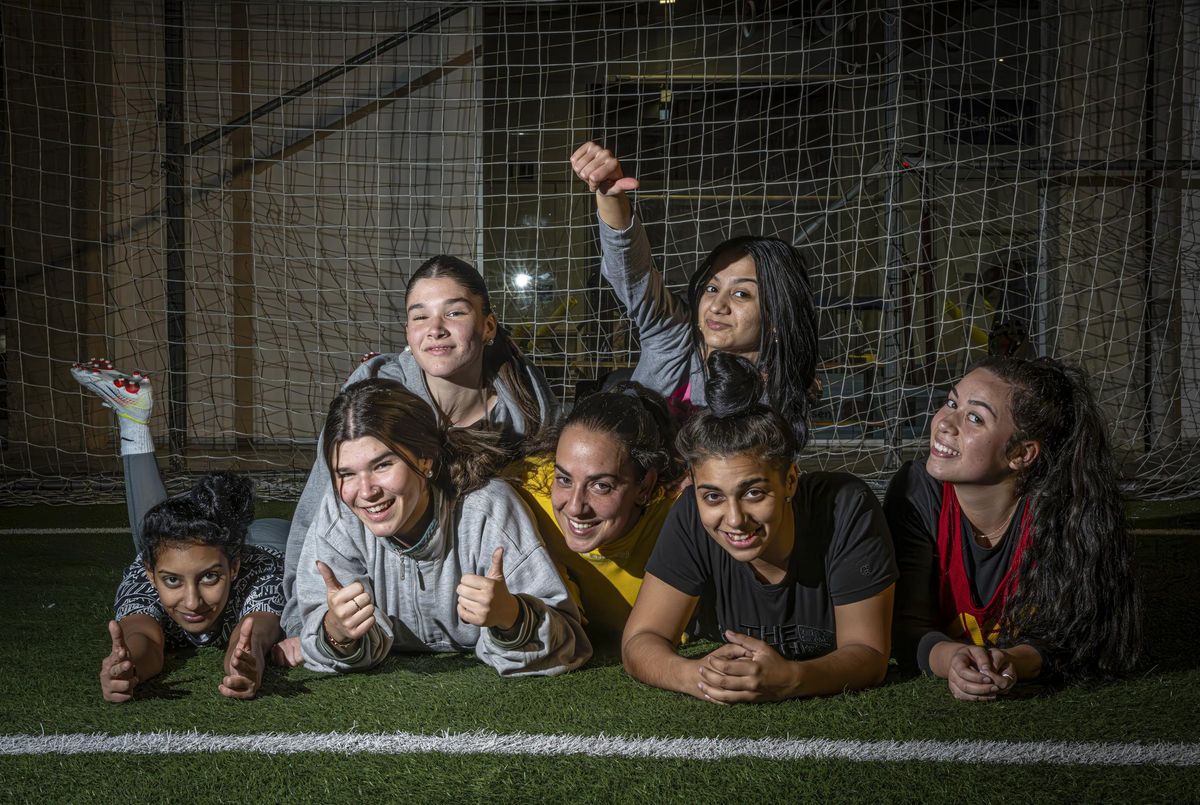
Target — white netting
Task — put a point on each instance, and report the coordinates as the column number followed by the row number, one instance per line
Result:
column 942, row 165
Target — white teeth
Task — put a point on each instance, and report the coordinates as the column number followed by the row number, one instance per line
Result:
column 378, row 507
column 578, row 526
column 943, row 450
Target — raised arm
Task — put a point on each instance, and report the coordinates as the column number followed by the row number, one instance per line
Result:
column 651, row 635
column 663, row 322
column 601, row 170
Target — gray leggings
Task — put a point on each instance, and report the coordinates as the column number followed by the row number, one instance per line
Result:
column 144, row 490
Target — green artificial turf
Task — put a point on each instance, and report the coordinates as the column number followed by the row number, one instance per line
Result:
column 57, row 593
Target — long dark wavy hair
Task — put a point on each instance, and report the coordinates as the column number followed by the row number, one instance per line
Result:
column 1076, row 593
column 463, row 459
column 788, row 350
column 633, row 416
column 217, row 510
column 502, row 358
column 736, row 422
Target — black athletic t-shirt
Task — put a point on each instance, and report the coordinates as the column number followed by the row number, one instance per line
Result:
column 843, row 554
column 913, row 505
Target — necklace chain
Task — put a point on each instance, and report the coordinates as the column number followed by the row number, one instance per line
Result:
column 985, row 539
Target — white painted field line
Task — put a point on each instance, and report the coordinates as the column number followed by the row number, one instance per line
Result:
column 490, row 743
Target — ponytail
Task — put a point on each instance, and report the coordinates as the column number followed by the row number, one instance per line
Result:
column 503, row 359
column 1076, row 594
column 736, row 422
column 468, row 459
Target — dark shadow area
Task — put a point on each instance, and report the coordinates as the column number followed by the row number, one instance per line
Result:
column 163, row 686
column 1169, row 570
column 427, row 664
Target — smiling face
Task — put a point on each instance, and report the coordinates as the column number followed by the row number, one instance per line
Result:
column 597, row 497
column 447, row 330
column 379, row 486
column 743, row 503
column 968, row 440
column 193, row 583
column 728, row 312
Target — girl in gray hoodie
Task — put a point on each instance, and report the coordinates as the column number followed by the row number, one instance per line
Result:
column 460, row 361
column 414, row 549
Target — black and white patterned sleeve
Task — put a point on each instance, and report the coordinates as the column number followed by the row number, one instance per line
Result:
column 259, row 586
column 137, row 596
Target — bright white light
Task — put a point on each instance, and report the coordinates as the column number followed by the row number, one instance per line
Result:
column 522, row 280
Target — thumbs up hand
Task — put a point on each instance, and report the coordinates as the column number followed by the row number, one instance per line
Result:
column 351, row 611
column 244, row 672
column 601, row 170
column 118, row 676
column 485, row 600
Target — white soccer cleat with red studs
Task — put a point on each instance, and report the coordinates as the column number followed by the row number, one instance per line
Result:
column 128, row 394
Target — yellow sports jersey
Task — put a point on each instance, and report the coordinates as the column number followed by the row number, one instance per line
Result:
column 604, row 583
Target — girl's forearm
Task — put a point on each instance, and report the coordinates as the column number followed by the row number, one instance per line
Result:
column 654, row 660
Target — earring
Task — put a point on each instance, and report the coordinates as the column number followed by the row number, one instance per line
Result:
column 491, row 341
column 788, row 499
column 429, row 472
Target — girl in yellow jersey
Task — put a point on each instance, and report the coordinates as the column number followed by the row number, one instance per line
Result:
column 600, row 483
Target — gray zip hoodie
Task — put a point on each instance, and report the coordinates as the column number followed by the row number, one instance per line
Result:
column 415, row 600
column 401, row 366
column 668, row 360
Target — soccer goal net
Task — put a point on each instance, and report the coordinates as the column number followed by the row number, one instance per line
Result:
column 231, row 197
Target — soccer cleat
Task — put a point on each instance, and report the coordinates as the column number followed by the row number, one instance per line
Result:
column 128, row 396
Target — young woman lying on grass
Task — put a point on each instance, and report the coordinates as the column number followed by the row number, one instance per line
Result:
column 1014, row 557
column 750, row 297
column 458, row 360
column 797, row 569
column 414, row 549
column 196, row 583
column 601, row 482
column 205, row 572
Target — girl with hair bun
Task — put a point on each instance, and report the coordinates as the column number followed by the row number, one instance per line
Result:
column 750, row 297
column 794, row 572
column 197, row 583
column 206, row 572
column 1014, row 556
column 416, row 548
column 460, row 361
column 600, row 482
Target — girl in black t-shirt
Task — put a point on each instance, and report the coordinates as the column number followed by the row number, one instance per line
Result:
column 1010, row 536
column 796, row 570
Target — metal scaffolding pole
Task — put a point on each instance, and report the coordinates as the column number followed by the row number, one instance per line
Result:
column 892, row 354
column 175, row 204
column 1043, row 295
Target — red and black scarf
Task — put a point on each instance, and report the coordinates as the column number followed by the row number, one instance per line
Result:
column 959, row 612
